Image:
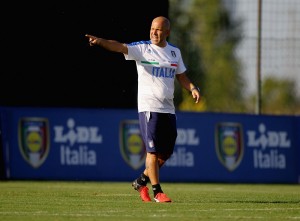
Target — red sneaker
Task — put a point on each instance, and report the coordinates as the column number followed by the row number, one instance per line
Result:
column 144, row 194
column 162, row 198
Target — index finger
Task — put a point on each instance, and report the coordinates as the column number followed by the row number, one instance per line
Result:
column 89, row 36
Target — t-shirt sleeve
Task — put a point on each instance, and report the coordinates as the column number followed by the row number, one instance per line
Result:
column 134, row 53
column 181, row 66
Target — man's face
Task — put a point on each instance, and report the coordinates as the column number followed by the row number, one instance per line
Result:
column 158, row 33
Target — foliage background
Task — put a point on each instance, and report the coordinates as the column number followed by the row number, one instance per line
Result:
column 209, row 34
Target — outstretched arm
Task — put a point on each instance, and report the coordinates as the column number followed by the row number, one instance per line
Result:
column 187, row 84
column 110, row 45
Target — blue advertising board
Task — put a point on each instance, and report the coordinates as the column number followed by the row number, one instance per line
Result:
column 106, row 145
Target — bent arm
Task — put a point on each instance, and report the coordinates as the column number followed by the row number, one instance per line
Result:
column 110, row 45
column 185, row 81
column 188, row 85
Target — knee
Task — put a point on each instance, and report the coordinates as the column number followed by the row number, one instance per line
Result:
column 162, row 158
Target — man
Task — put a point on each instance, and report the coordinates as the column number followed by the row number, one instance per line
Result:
column 158, row 63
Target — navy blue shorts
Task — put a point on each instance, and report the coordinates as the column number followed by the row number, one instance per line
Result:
column 159, row 132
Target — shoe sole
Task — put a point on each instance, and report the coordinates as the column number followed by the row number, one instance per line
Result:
column 157, row 201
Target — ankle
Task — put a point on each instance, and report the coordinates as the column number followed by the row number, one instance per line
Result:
column 156, row 189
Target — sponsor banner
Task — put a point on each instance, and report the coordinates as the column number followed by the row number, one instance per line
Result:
column 106, row 145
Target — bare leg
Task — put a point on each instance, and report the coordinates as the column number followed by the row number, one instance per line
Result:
column 160, row 161
column 152, row 168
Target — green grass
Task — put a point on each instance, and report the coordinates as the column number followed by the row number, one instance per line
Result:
column 49, row 200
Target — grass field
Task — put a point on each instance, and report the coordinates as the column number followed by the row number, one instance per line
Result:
column 51, row 200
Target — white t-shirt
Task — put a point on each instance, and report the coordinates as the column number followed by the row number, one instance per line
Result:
column 156, row 67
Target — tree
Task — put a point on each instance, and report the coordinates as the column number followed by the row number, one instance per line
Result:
column 279, row 96
column 181, row 22
column 208, row 37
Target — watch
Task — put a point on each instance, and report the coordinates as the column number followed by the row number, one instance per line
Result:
column 195, row 88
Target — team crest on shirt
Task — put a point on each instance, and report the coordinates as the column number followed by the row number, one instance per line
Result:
column 173, row 54
column 131, row 144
